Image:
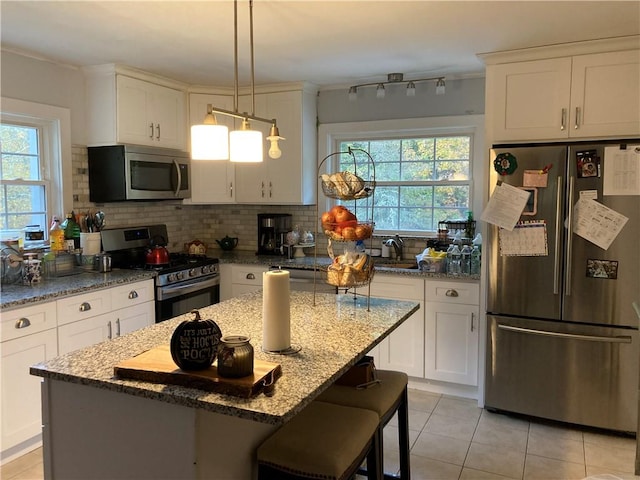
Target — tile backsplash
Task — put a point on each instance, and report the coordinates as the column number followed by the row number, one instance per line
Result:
column 206, row 223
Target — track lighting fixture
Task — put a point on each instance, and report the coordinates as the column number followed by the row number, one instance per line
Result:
column 397, row 78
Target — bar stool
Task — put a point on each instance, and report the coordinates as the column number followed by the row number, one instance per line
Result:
column 384, row 398
column 324, row 441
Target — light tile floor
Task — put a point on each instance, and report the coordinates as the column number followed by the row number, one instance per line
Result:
column 451, row 438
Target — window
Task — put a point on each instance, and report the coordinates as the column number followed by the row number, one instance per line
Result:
column 24, row 190
column 423, row 175
column 34, row 140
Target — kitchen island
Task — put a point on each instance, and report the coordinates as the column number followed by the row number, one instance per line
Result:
column 98, row 426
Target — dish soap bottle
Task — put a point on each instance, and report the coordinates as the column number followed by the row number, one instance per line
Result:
column 56, row 236
column 72, row 232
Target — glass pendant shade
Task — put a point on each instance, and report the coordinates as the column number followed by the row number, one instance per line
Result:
column 245, row 146
column 209, row 142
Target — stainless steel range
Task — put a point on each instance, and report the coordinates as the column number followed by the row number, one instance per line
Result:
column 184, row 283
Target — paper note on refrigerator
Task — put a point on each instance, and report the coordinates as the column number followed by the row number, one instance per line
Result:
column 528, row 239
column 597, row 223
column 505, row 206
column 621, row 171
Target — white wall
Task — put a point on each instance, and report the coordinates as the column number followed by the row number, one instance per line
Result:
column 39, row 81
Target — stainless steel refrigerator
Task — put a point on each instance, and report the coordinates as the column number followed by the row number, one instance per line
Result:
column 562, row 339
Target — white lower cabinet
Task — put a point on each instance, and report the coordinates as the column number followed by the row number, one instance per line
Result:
column 90, row 318
column 28, row 337
column 236, row 279
column 439, row 342
column 451, row 332
column 38, row 333
column 403, row 349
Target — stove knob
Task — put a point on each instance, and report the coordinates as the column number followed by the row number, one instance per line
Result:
column 204, row 270
column 171, row 277
column 192, row 272
column 179, row 275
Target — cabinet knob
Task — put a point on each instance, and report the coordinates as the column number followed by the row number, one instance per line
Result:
column 133, row 294
column 85, row 307
column 451, row 293
column 23, row 323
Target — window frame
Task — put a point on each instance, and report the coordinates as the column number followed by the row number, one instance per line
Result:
column 54, row 124
column 331, row 135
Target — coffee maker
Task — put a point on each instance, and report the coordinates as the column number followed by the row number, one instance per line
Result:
column 272, row 232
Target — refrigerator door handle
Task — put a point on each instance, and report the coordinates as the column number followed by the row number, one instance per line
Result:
column 556, row 258
column 573, row 336
column 567, row 263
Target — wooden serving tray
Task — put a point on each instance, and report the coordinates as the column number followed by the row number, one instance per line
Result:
column 157, row 366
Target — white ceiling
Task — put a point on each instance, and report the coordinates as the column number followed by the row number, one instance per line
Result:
column 323, row 42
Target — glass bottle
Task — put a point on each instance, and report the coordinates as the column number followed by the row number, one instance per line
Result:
column 476, row 259
column 72, row 231
column 56, row 236
column 465, row 262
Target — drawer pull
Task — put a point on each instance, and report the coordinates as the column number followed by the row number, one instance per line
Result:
column 85, row 307
column 117, row 327
column 451, row 293
column 109, row 336
column 250, row 276
column 472, row 318
column 23, row 323
column 133, row 294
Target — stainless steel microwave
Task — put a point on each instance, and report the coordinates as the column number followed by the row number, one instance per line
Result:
column 130, row 172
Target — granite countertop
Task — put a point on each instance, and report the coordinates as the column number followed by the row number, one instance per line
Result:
column 332, row 335
column 382, row 265
column 14, row 296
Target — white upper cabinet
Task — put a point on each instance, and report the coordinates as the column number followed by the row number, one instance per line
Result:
column 212, row 181
column 530, row 99
column 290, row 179
column 124, row 109
column 582, row 96
column 605, row 94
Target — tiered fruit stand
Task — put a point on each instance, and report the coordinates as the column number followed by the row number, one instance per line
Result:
column 347, row 230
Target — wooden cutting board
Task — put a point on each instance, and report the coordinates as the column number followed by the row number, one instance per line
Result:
column 157, row 366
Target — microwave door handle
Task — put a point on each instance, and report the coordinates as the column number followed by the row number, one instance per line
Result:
column 177, row 165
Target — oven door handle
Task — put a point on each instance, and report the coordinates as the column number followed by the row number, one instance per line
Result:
column 165, row 293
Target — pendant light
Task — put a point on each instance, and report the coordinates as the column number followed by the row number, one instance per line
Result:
column 211, row 141
column 245, row 145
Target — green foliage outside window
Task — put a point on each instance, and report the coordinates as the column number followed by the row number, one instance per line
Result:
column 23, row 189
column 420, row 181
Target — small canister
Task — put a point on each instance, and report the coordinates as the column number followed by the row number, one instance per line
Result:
column 102, row 262
column 235, row 358
column 31, row 269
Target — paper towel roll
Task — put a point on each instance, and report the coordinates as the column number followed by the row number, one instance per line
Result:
column 276, row 314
